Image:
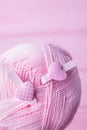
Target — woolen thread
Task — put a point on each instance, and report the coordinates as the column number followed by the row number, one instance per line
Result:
column 54, row 103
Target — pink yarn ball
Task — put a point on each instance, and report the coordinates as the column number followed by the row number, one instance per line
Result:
column 54, row 92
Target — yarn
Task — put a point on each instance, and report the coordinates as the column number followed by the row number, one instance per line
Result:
column 40, row 88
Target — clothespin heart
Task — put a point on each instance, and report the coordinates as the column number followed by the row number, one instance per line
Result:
column 58, row 72
column 55, row 72
column 26, row 91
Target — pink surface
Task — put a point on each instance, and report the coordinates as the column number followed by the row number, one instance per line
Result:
column 60, row 22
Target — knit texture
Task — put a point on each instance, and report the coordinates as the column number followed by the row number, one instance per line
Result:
column 54, row 103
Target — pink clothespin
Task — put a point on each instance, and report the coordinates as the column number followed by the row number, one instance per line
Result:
column 57, row 72
column 24, row 90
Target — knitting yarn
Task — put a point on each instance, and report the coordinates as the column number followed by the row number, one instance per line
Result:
column 40, row 88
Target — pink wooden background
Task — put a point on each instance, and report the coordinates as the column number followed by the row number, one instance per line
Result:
column 63, row 22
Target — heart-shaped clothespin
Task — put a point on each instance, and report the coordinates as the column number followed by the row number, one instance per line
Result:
column 24, row 90
column 55, row 72
column 58, row 72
